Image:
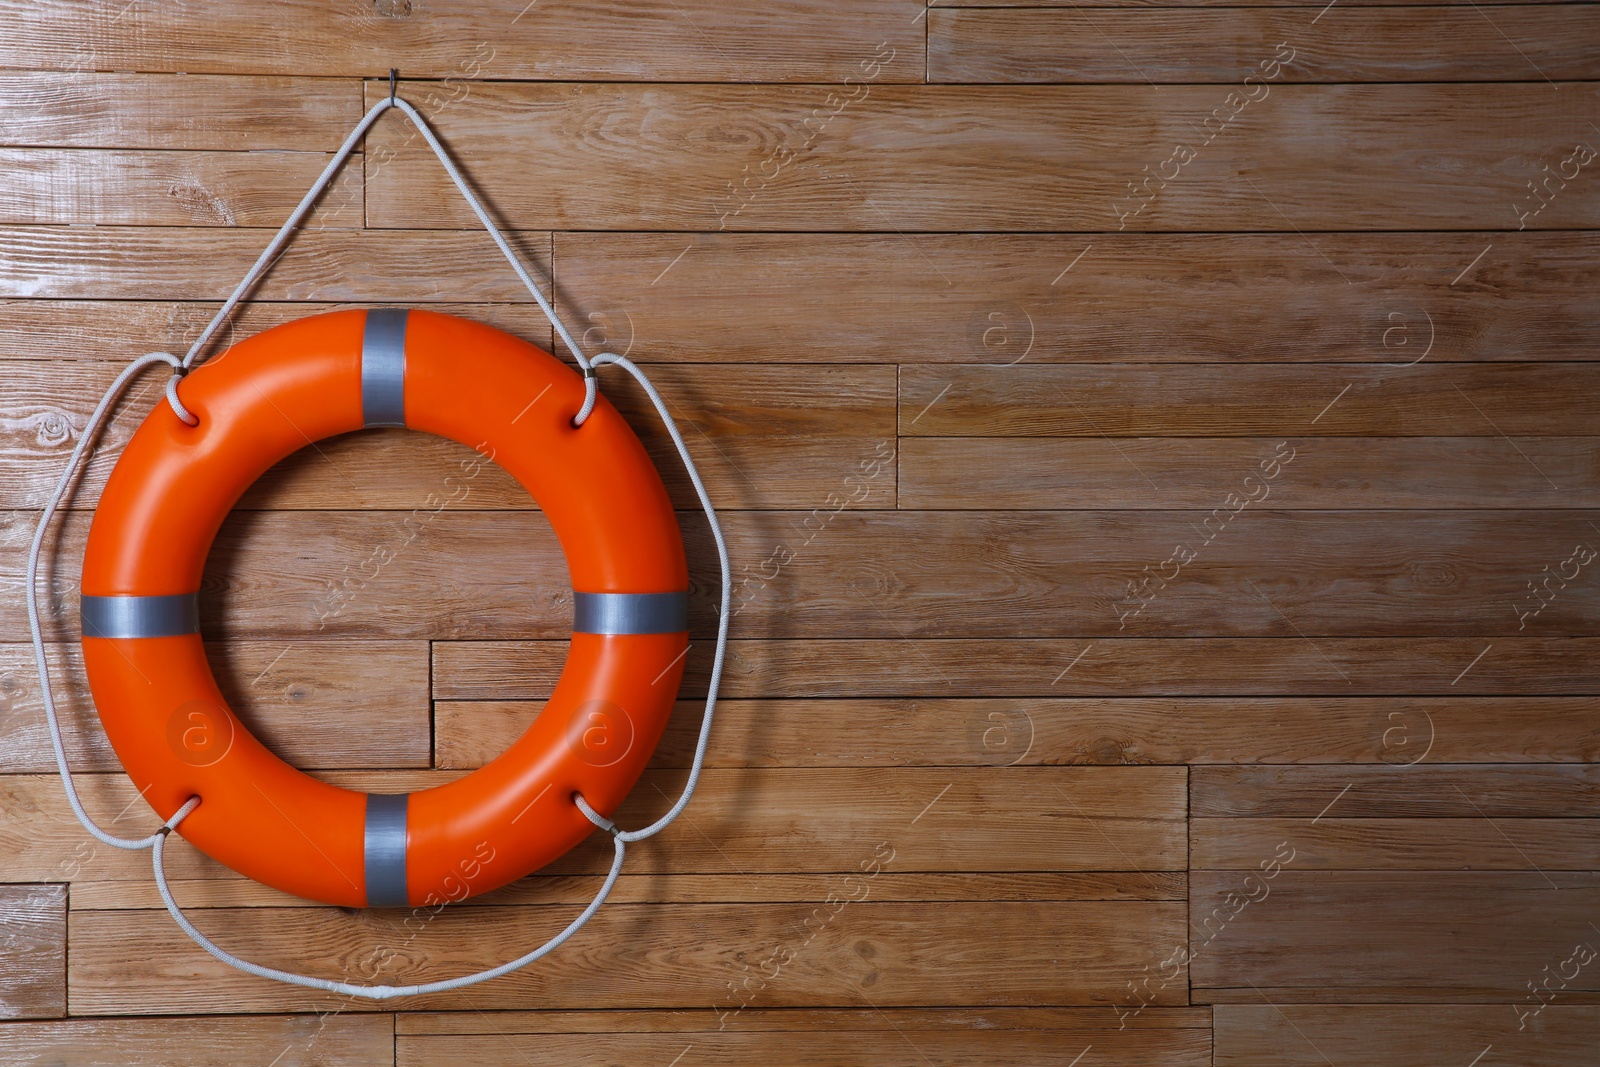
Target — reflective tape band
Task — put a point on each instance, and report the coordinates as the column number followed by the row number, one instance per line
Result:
column 385, row 850
column 383, row 368
column 630, row 613
column 141, row 616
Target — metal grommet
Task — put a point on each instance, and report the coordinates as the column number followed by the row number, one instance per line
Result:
column 588, row 370
column 165, row 830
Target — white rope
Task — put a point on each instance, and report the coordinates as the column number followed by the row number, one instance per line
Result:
column 156, row 842
column 275, row 247
column 91, row 430
column 380, row 992
column 722, row 612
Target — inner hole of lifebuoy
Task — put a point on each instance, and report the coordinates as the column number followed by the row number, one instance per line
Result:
column 350, row 573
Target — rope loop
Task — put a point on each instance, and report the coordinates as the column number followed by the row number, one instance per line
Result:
column 591, row 385
column 189, row 418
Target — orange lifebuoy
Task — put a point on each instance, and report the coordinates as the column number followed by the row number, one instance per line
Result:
column 330, row 374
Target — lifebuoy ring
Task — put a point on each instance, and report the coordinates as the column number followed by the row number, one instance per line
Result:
column 329, row 374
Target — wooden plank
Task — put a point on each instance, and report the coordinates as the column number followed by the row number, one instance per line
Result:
column 223, row 889
column 33, row 950
column 317, row 704
column 1524, row 791
column 120, row 329
column 142, row 188
column 1309, row 6
column 1421, row 1035
column 942, row 731
column 1101, row 298
column 1438, row 936
column 1188, row 46
column 1104, row 298
column 1153, row 473
column 835, row 1045
column 773, row 436
column 758, row 822
column 795, row 1020
column 1054, row 158
column 654, row 40
column 42, row 109
column 1458, row 400
column 849, row 298
column 328, row 1039
column 171, row 263
column 931, row 819
column 1307, row 575
column 1025, row 574
column 636, row 956
column 1528, row 666
column 1437, row 844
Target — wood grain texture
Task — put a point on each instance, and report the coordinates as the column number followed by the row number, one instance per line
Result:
column 317, row 704
column 833, row 1044
column 802, row 1019
column 1054, row 158
column 114, row 187
column 1308, row 575
column 72, row 109
column 1004, row 667
column 223, row 889
column 686, row 40
column 1439, row 843
column 945, row 819
column 79, row 329
column 163, row 263
column 308, row 1040
column 850, row 298
column 1456, row 400
column 761, row 822
column 990, row 45
column 634, row 956
column 1155, row 473
column 1419, row 791
column 1094, row 298
column 1153, row 498
column 33, row 947
column 1310, row 7
column 1160, row 1037
column 956, row 732
column 1396, row 936
column 764, row 436
column 754, row 1020
column 1424, row 1035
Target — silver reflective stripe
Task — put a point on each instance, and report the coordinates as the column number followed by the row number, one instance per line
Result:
column 385, row 849
column 383, row 368
column 141, row 616
column 630, row 613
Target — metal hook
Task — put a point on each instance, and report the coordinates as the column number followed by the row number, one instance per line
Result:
column 394, row 76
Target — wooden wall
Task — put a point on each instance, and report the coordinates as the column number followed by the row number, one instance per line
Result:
column 1157, row 443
